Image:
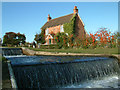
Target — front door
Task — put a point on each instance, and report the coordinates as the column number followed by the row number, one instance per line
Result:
column 49, row 41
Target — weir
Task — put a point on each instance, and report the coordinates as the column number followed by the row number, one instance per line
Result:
column 11, row 51
column 62, row 74
column 62, row 71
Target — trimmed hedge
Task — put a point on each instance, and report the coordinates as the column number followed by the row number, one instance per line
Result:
column 52, row 46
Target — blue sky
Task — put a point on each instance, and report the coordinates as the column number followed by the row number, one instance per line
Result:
column 28, row 17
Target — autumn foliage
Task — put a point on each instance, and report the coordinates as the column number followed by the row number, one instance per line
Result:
column 61, row 40
column 102, row 38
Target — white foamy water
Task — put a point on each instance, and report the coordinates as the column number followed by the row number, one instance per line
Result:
column 15, row 56
column 106, row 82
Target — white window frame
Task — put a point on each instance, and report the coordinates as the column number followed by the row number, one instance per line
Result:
column 61, row 28
column 46, row 31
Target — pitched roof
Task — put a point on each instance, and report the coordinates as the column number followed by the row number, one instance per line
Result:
column 58, row 21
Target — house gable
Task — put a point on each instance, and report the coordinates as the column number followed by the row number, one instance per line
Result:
column 79, row 27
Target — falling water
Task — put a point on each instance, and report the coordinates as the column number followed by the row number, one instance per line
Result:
column 62, row 74
column 62, row 71
column 11, row 51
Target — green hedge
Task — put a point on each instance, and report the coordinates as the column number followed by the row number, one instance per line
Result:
column 52, row 46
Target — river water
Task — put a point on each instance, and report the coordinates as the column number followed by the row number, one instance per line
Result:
column 65, row 71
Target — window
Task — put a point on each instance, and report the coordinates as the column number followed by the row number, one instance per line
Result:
column 61, row 28
column 47, row 32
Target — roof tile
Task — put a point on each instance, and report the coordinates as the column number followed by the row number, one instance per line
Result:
column 58, row 21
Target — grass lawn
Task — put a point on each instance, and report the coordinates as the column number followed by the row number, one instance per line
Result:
column 80, row 50
column 9, row 47
column 6, row 83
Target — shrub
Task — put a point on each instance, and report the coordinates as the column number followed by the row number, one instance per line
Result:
column 62, row 40
column 52, row 46
column 40, row 37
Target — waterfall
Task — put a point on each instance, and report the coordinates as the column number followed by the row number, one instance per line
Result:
column 11, row 51
column 58, row 75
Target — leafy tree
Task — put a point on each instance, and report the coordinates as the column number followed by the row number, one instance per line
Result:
column 9, row 38
column 40, row 38
column 21, row 38
column 12, row 38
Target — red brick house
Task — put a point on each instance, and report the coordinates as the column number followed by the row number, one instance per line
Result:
column 56, row 25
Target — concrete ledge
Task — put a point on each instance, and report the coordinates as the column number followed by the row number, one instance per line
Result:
column 12, row 77
column 31, row 52
column 27, row 51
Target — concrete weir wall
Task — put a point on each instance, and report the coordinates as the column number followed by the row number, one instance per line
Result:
column 12, row 77
column 27, row 51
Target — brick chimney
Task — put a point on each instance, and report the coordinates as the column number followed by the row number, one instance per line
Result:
column 75, row 10
column 49, row 18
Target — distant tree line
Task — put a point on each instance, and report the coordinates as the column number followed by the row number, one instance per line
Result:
column 12, row 39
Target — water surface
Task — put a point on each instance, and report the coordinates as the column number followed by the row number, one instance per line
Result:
column 65, row 71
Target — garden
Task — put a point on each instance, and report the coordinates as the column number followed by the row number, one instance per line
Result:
column 102, row 42
column 101, row 39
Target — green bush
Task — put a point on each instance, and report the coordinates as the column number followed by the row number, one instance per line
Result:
column 62, row 40
column 52, row 46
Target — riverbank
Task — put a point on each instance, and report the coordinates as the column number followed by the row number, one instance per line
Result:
column 108, row 52
column 81, row 50
column 76, row 50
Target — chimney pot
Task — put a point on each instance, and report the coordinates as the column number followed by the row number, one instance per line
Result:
column 48, row 15
column 75, row 10
column 75, row 7
column 49, row 18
